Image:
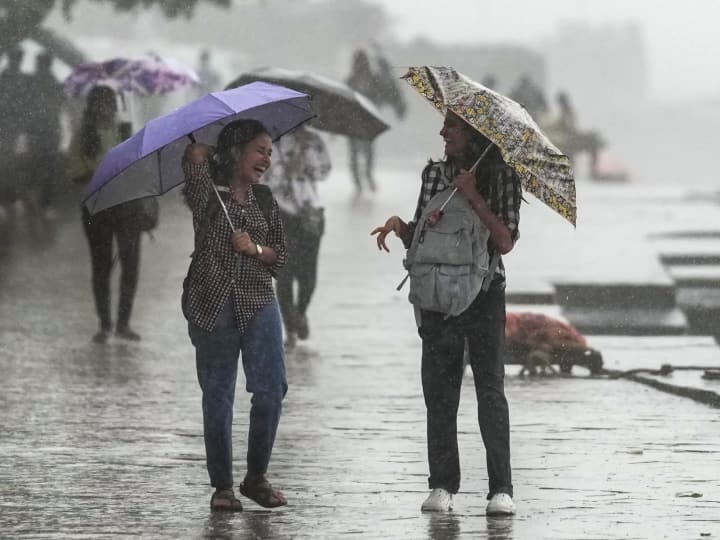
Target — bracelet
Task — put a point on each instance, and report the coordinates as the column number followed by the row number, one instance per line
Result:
column 259, row 250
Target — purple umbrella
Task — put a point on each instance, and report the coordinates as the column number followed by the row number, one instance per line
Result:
column 149, row 162
column 145, row 77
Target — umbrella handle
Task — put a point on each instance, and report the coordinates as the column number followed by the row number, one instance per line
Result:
column 472, row 170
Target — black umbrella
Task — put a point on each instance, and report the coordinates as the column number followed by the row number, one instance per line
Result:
column 339, row 108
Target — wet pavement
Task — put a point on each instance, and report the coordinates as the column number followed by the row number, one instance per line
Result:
column 105, row 441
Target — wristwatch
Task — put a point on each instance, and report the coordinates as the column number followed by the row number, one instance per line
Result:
column 258, row 247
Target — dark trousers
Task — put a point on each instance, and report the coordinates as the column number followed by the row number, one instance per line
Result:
column 100, row 230
column 443, row 342
column 360, row 149
column 301, row 268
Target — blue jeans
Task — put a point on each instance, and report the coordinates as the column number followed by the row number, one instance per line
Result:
column 263, row 361
column 443, row 343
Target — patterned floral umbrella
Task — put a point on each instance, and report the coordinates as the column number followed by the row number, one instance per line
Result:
column 145, row 77
column 544, row 170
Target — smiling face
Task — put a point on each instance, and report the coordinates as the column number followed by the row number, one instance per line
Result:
column 456, row 135
column 253, row 159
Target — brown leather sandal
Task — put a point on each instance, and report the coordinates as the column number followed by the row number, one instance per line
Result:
column 262, row 492
column 224, row 500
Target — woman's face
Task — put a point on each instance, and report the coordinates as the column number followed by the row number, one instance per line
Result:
column 455, row 134
column 254, row 159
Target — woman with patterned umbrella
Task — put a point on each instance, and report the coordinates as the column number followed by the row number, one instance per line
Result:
column 492, row 146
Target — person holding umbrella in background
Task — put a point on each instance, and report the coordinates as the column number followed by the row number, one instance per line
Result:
column 98, row 132
column 230, row 303
column 301, row 161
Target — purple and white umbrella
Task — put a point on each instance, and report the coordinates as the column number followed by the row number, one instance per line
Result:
column 152, row 76
column 149, row 162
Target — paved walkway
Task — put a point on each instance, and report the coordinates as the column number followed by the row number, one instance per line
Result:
column 106, row 441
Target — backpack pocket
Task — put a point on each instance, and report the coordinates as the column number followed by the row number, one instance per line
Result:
column 441, row 287
column 448, row 242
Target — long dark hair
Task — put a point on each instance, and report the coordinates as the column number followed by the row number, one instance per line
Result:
column 230, row 143
column 98, row 98
column 487, row 171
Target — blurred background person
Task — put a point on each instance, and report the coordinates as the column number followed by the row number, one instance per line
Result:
column 379, row 86
column 13, row 130
column 98, row 132
column 44, row 128
column 300, row 161
column 208, row 75
column 570, row 138
column 530, row 95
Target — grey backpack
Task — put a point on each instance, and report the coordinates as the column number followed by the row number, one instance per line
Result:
column 448, row 258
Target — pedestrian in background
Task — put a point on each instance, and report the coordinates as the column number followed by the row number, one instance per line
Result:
column 301, row 161
column 362, row 154
column 494, row 193
column 44, row 128
column 230, row 304
column 98, row 132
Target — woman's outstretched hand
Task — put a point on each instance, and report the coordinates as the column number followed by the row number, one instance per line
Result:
column 393, row 224
column 198, row 152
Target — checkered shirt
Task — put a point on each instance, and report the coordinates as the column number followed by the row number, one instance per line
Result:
column 217, row 271
column 503, row 196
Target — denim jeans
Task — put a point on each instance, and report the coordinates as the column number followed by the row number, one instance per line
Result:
column 216, row 356
column 443, row 344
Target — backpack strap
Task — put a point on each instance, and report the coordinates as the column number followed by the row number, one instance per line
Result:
column 264, row 197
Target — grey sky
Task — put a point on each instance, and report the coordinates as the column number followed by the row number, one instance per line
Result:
column 682, row 40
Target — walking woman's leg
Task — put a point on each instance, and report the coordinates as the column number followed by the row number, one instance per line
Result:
column 98, row 230
column 354, row 148
column 442, row 369
column 263, row 360
column 486, row 338
column 216, row 359
column 307, row 271
column 129, row 241
column 370, row 164
column 287, row 275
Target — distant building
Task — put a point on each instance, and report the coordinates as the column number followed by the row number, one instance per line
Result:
column 504, row 63
column 602, row 66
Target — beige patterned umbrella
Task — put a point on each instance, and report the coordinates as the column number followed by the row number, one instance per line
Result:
column 544, row 171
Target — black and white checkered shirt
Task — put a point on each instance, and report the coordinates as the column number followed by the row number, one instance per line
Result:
column 217, row 270
column 503, row 196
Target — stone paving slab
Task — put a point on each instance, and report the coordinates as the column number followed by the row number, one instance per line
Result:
column 685, row 251
column 694, row 275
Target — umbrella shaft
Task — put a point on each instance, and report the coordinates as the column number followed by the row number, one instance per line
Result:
column 222, row 205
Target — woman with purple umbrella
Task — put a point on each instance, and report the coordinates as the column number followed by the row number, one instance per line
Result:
column 98, row 133
column 230, row 304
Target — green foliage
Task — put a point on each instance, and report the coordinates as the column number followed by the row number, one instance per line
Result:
column 171, row 8
column 20, row 18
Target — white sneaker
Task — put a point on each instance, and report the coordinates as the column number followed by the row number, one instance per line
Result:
column 439, row 500
column 501, row 504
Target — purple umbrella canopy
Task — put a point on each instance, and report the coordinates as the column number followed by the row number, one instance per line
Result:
column 152, row 76
column 149, row 162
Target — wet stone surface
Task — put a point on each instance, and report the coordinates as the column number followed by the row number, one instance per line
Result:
column 105, row 441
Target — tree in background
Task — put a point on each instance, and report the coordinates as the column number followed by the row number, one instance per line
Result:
column 22, row 19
